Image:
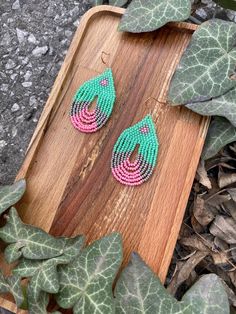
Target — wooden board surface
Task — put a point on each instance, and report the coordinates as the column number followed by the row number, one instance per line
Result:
column 70, row 188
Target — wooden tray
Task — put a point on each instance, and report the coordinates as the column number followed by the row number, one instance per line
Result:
column 70, row 188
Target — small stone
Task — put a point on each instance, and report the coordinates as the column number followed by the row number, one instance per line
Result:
column 13, row 76
column 2, row 143
column 26, row 84
column 32, row 39
column 27, row 75
column 21, row 35
column 14, row 131
column 16, row 5
column 32, row 101
column 68, row 33
column 202, row 13
column 4, row 87
column 10, row 64
column 15, row 107
column 40, row 51
column 231, row 15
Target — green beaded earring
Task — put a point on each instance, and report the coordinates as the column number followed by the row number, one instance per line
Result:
column 101, row 86
column 139, row 171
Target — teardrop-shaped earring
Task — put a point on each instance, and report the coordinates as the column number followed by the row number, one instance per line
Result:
column 103, row 88
column 135, row 173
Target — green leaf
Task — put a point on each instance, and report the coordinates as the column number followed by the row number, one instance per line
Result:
column 206, row 66
column 96, row 2
column 227, row 4
column 118, row 3
column 11, row 194
column 221, row 133
column 208, row 296
column 138, row 290
column 224, row 106
column 149, row 15
column 86, row 283
column 12, row 284
column 28, row 241
column 39, row 306
column 43, row 274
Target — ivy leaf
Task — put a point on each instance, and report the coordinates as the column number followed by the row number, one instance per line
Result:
column 224, row 106
column 220, row 133
column 39, row 306
column 208, row 296
column 11, row 194
column 118, row 3
column 28, row 241
column 86, row 283
column 138, row 290
column 207, row 65
column 12, row 284
column 227, row 4
column 149, row 15
column 43, row 274
column 96, row 2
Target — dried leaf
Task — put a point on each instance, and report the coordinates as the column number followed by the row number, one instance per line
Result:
column 185, row 270
column 226, row 179
column 232, row 193
column 230, row 208
column 224, row 228
column 203, row 215
column 202, row 173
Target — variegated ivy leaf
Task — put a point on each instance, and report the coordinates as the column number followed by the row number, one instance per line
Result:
column 149, row 15
column 43, row 274
column 208, row 296
column 12, row 284
column 224, row 106
column 220, row 133
column 207, row 65
column 11, row 194
column 39, row 306
column 138, row 290
column 118, row 3
column 27, row 241
column 96, row 2
column 86, row 283
column 228, row 4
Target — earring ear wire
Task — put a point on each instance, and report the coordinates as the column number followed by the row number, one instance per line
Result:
column 102, row 58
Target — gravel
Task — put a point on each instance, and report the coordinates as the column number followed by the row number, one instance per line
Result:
column 34, row 38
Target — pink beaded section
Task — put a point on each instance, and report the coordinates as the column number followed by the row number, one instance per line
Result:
column 135, row 172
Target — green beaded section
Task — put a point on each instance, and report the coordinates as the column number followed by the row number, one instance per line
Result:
column 93, row 88
column 148, row 141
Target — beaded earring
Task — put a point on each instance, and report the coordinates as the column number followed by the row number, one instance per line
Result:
column 135, row 173
column 103, row 88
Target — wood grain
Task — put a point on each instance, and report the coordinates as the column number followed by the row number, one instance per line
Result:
column 70, row 189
